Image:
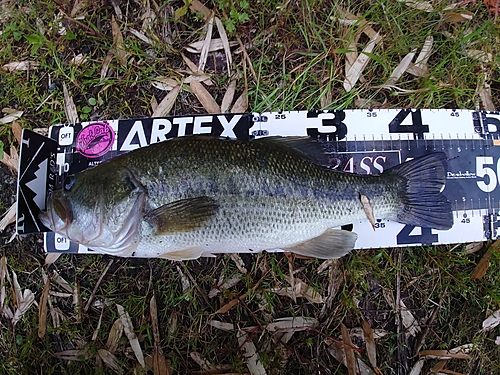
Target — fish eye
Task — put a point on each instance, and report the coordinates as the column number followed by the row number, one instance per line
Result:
column 69, row 181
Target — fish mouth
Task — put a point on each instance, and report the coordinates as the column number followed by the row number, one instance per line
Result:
column 58, row 214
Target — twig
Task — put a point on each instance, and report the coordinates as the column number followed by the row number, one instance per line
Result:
column 402, row 357
column 433, row 317
column 92, row 295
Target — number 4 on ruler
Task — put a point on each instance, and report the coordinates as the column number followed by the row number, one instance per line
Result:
column 416, row 127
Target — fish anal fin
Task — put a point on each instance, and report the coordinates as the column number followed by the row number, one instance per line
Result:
column 187, row 254
column 182, row 216
column 332, row 244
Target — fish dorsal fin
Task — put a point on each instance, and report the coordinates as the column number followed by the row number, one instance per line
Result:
column 307, row 146
column 332, row 244
column 187, row 254
column 182, row 216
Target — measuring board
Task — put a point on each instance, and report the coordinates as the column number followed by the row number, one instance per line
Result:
column 358, row 141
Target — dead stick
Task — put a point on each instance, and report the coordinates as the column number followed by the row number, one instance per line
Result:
column 91, row 298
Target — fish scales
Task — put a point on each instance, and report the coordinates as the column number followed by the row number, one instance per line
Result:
column 202, row 195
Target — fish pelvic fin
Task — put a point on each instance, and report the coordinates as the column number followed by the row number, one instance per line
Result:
column 182, row 216
column 332, row 244
column 423, row 204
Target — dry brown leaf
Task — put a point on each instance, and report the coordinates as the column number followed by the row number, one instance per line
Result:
column 409, row 321
column 164, row 83
column 337, row 352
column 12, row 116
column 228, row 327
column 460, row 352
column 105, row 64
column 439, row 366
column 250, row 354
column 119, row 45
column 483, row 265
column 205, row 98
column 17, row 130
column 492, row 321
column 198, row 7
column 292, row 324
column 166, row 105
column 228, row 306
column 474, row 247
column 62, row 283
column 358, row 332
column 73, row 355
column 458, row 16
column 115, row 333
column 78, row 60
column 4, row 275
column 199, row 78
column 206, row 45
column 27, row 300
column 241, row 104
column 50, row 258
column 191, row 65
column 141, row 36
column 18, row 294
column 128, row 328
column 418, row 5
column 417, row 368
column 159, row 361
column 20, row 66
column 401, row 68
column 42, row 310
column 8, row 217
column 69, row 107
column 359, row 65
column 371, row 348
column 216, row 44
column 238, row 262
column 484, row 91
column 350, row 357
column 110, row 360
column 228, row 96
column 225, row 43
column 481, row 56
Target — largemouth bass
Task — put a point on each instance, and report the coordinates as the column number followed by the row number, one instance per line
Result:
column 197, row 196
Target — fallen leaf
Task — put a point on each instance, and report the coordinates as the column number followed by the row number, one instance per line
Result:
column 360, row 64
column 78, row 60
column 42, row 310
column 418, row 5
column 241, row 104
column 401, row 68
column 350, row 357
column 409, row 321
column 73, row 355
column 17, row 130
column 238, row 262
column 225, row 43
column 481, row 56
column 492, row 321
column 417, row 368
column 206, row 100
column 482, row 265
column 11, row 117
column 206, row 45
column 460, row 352
column 20, row 66
column 9, row 217
column 191, row 65
column 110, row 360
column 166, row 105
column 371, row 348
column 473, row 247
column 439, row 366
column 4, row 275
column 228, row 96
column 120, row 51
column 159, row 361
column 140, row 36
column 228, row 327
column 250, row 354
column 337, row 352
column 458, row 16
column 198, row 7
column 27, row 300
column 69, row 107
column 291, row 323
column 164, row 83
column 115, row 333
column 128, row 328
column 216, row 44
column 105, row 64
column 50, row 258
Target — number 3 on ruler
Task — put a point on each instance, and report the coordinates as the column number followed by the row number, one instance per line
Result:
column 488, row 184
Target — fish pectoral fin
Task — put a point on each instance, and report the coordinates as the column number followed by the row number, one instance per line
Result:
column 332, row 244
column 182, row 216
column 191, row 253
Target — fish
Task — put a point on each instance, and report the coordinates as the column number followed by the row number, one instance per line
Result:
column 200, row 195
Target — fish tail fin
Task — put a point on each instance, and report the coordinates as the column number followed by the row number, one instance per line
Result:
column 423, row 203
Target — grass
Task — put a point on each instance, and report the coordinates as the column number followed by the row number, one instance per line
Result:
column 297, row 50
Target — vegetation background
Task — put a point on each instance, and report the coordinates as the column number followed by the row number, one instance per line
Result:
column 384, row 311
